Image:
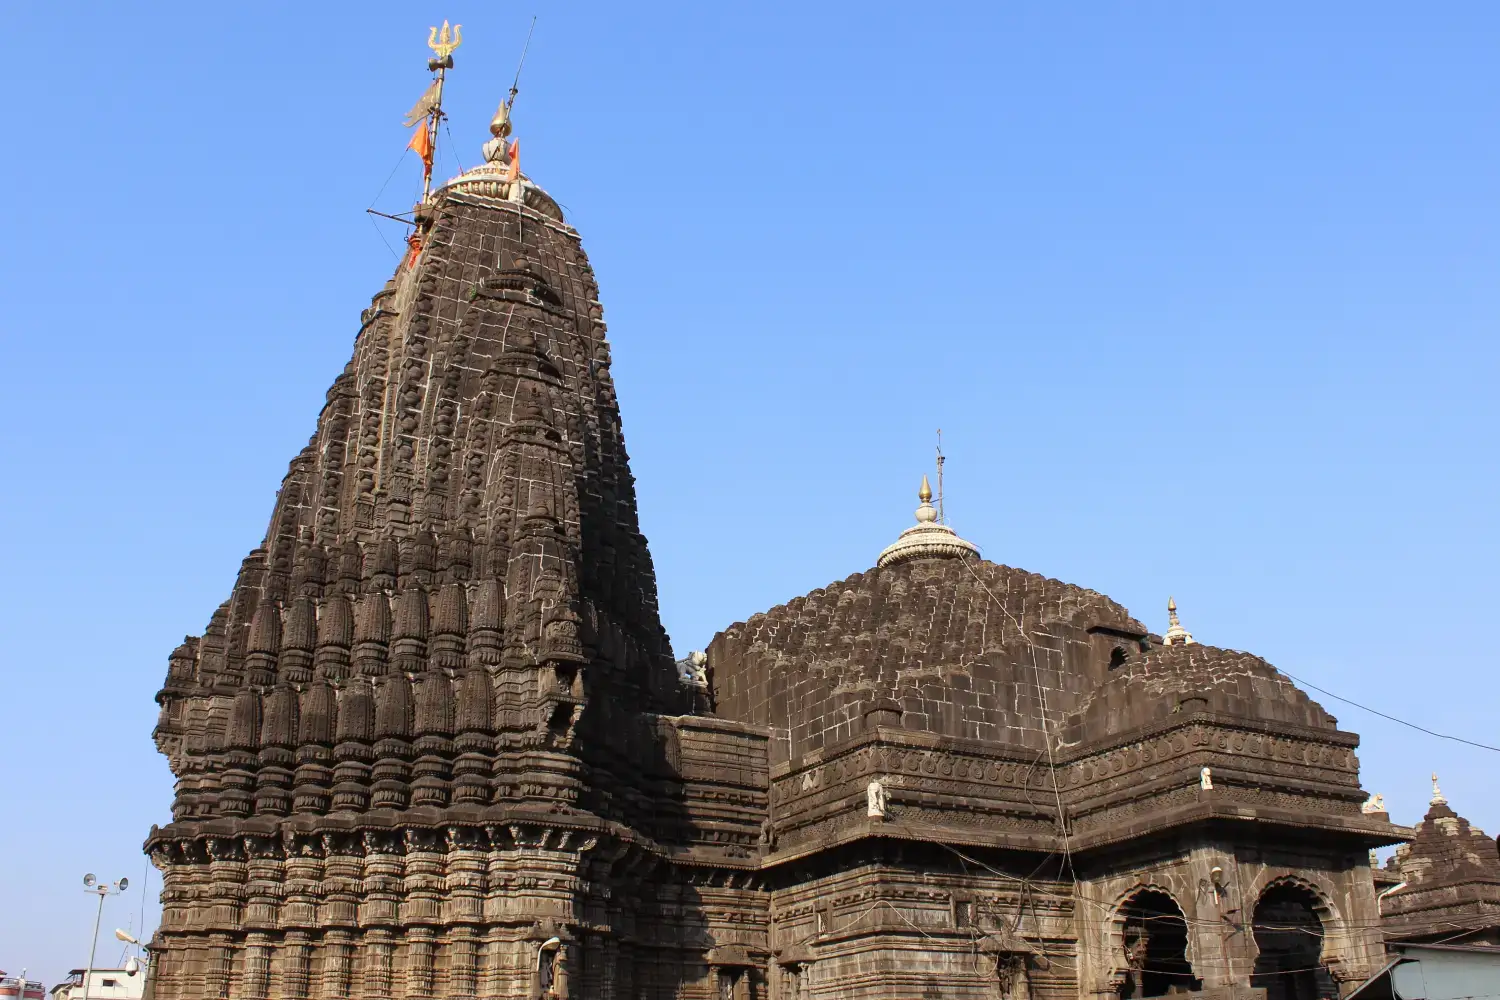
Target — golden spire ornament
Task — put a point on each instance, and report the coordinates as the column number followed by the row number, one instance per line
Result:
column 428, row 111
column 443, row 41
column 1175, row 635
column 927, row 539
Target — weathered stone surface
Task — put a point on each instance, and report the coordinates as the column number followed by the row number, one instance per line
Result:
column 435, row 744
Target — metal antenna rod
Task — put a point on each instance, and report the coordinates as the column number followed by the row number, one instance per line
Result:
column 941, row 518
column 515, row 86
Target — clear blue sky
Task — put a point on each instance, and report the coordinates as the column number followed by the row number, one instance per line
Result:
column 1204, row 297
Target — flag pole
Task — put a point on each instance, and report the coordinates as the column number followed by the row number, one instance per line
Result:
column 442, row 45
column 433, row 120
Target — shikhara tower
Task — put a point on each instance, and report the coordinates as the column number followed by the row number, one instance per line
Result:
column 423, row 737
column 434, row 745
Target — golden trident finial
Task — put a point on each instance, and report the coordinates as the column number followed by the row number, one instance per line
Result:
column 444, row 42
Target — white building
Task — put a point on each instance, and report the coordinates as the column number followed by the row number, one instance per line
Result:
column 16, row 988
column 106, row 984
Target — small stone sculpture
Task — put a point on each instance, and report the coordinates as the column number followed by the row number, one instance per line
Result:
column 875, row 800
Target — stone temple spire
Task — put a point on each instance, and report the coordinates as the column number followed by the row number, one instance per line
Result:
column 1176, row 635
column 927, row 539
column 444, row 653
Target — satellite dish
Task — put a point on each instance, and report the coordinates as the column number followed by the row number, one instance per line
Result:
column 124, row 884
column 90, row 881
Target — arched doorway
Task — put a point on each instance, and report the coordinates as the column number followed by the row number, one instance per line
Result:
column 1289, row 935
column 1155, row 938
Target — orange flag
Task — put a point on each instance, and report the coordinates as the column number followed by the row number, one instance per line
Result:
column 514, row 173
column 421, row 141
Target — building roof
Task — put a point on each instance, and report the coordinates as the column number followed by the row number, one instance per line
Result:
column 1435, row 972
column 1450, row 880
column 956, row 642
column 946, row 636
column 1194, row 677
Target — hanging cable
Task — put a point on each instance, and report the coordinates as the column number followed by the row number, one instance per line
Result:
column 452, row 146
column 1062, row 817
column 399, row 161
column 383, row 239
column 1391, row 718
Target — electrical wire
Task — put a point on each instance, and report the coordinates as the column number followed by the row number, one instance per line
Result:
column 1062, row 816
column 1113, row 910
column 383, row 239
column 1349, row 701
column 1391, row 718
column 452, row 146
column 399, row 160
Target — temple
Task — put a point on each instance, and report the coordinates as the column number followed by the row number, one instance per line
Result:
column 435, row 743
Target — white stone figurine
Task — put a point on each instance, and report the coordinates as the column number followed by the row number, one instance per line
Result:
column 693, row 672
column 875, row 799
column 1206, row 779
column 1375, row 804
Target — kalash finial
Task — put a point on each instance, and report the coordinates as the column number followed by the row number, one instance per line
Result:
column 499, row 176
column 1438, row 798
column 926, row 539
column 1175, row 635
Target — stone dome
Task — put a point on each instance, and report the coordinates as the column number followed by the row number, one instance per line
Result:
column 1176, row 679
column 960, row 646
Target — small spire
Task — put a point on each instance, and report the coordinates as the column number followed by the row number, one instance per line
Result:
column 926, row 539
column 1438, row 799
column 926, row 513
column 1176, row 634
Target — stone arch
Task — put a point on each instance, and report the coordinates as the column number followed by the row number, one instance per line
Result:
column 1150, row 944
column 1293, row 924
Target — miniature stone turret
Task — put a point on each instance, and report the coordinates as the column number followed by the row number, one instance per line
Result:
column 1175, row 634
column 1449, row 888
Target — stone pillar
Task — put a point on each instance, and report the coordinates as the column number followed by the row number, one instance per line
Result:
column 606, row 959
column 463, row 963
column 492, row 966
column 217, row 975
column 1216, row 953
column 255, row 983
column 338, row 966
column 295, row 978
column 419, row 956
column 560, row 987
column 378, row 955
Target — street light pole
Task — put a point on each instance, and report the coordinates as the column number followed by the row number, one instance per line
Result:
column 88, row 977
column 92, row 884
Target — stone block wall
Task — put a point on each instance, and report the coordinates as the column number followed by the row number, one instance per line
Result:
column 928, row 637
